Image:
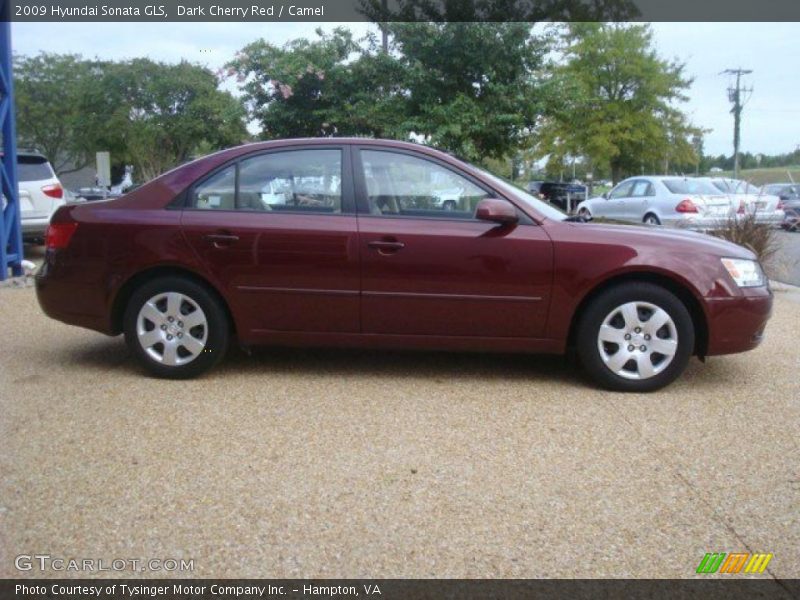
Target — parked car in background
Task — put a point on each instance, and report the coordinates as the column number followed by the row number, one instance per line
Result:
column 368, row 266
column 791, row 221
column 749, row 199
column 563, row 194
column 447, row 199
column 534, row 187
column 662, row 200
column 40, row 194
column 789, row 193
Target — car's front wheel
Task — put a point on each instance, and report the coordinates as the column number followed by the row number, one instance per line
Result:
column 175, row 327
column 635, row 337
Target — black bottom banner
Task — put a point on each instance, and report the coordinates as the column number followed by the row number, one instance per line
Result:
column 395, row 589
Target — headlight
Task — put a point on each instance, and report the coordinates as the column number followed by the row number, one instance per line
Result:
column 746, row 273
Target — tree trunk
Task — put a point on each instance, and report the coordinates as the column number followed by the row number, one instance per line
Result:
column 616, row 173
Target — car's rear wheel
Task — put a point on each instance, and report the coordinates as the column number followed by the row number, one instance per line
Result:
column 585, row 214
column 635, row 337
column 175, row 327
column 651, row 219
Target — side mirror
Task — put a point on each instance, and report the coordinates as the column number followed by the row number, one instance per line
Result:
column 496, row 211
column 606, row 195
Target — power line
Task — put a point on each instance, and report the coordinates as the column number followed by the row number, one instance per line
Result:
column 738, row 96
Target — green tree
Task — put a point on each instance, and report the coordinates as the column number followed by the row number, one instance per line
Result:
column 466, row 87
column 613, row 101
column 329, row 86
column 473, row 11
column 471, row 88
column 156, row 116
column 50, row 91
column 148, row 114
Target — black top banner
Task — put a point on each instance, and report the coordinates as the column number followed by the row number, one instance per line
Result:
column 401, row 10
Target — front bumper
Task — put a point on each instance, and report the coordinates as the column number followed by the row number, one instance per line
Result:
column 737, row 323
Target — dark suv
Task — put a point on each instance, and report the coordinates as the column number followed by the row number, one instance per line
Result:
column 563, row 194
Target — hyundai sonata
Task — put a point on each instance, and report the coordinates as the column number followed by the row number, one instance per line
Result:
column 343, row 242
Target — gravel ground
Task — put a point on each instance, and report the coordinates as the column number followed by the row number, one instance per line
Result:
column 297, row 463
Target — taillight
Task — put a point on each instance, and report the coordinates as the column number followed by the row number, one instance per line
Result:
column 58, row 235
column 686, row 206
column 780, row 205
column 740, row 210
column 54, row 191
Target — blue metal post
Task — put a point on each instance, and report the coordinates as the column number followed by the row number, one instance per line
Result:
column 10, row 228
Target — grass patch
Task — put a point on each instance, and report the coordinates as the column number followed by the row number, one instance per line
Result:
column 764, row 176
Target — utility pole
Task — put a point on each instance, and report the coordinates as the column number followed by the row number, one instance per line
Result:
column 384, row 31
column 736, row 96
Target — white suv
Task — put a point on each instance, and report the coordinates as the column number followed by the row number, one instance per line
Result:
column 40, row 194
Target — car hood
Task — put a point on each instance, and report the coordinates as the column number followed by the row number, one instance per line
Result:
column 662, row 237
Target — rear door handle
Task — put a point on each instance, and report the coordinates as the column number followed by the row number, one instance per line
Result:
column 221, row 239
column 385, row 246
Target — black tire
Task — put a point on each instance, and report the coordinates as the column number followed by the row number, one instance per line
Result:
column 588, row 331
column 584, row 212
column 651, row 219
column 216, row 320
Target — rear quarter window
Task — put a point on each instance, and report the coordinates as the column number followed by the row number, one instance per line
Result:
column 33, row 169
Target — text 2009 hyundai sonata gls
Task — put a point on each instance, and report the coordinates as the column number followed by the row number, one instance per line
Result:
column 345, row 242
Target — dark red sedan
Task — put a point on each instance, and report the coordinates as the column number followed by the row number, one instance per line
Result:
column 369, row 243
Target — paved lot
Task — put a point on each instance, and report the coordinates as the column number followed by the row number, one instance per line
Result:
column 352, row 464
column 788, row 259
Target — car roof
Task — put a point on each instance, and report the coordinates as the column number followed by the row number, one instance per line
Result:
column 253, row 147
column 27, row 154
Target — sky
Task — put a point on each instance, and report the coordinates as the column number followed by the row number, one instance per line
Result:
column 771, row 119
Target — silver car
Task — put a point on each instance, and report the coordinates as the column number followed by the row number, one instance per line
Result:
column 662, row 200
column 751, row 200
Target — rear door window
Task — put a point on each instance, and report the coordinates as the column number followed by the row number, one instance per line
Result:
column 642, row 189
column 285, row 181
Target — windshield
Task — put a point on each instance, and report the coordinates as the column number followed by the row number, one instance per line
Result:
column 543, row 208
column 690, row 186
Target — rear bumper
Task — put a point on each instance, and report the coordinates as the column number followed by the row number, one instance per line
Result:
column 34, row 227
column 71, row 301
column 772, row 218
column 737, row 324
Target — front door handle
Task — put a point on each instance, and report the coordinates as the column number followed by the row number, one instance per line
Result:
column 221, row 239
column 386, row 246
